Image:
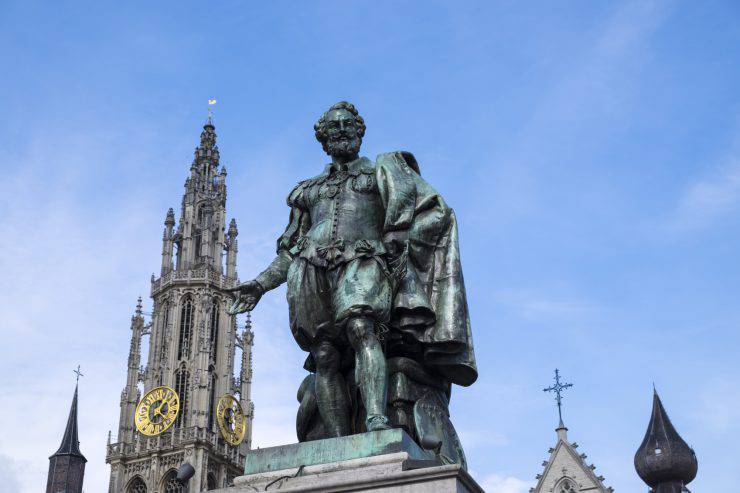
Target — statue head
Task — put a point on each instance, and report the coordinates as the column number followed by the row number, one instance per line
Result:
column 340, row 130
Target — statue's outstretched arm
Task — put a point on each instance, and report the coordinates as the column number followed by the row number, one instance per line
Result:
column 276, row 273
column 298, row 225
column 249, row 293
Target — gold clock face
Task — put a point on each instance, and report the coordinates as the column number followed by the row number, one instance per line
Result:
column 157, row 411
column 231, row 419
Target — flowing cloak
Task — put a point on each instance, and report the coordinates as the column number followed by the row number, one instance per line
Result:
column 430, row 303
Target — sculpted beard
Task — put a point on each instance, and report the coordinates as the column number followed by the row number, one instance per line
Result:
column 343, row 146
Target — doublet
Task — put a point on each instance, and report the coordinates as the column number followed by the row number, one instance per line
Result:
column 346, row 215
column 334, row 247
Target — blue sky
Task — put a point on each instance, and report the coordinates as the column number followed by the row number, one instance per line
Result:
column 591, row 151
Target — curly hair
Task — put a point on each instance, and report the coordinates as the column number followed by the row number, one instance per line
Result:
column 342, row 105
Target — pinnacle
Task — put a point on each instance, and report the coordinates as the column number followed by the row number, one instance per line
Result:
column 170, row 219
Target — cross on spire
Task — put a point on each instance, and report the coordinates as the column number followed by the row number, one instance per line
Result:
column 558, row 390
column 78, row 373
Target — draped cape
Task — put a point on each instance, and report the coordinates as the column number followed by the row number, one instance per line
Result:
column 430, row 302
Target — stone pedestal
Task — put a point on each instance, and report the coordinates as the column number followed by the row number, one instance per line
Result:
column 382, row 461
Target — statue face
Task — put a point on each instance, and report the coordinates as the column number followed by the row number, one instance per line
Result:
column 341, row 133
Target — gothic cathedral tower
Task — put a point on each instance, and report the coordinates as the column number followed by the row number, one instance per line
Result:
column 192, row 346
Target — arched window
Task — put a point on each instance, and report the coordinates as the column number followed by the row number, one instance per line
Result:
column 182, row 387
column 199, row 228
column 211, row 482
column 568, row 486
column 215, row 317
column 170, row 484
column 165, row 318
column 136, row 485
column 212, row 400
column 186, row 329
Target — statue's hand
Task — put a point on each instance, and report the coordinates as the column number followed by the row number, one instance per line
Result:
column 396, row 242
column 247, row 296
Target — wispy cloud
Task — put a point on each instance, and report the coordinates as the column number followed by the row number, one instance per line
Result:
column 9, row 474
column 533, row 305
column 593, row 89
column 481, row 438
column 710, row 198
column 719, row 410
column 498, row 483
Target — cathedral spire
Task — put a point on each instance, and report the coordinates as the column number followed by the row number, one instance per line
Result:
column 664, row 460
column 70, row 441
column 67, row 464
column 207, row 150
column 188, row 338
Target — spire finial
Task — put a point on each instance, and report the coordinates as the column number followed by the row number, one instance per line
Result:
column 138, row 307
column 211, row 103
column 248, row 323
column 78, row 373
column 558, row 389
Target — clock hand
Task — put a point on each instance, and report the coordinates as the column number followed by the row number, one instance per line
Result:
column 159, row 409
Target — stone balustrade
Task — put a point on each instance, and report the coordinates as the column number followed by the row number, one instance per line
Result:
column 186, row 277
column 170, row 440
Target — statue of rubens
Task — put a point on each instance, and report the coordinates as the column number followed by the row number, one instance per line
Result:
column 375, row 293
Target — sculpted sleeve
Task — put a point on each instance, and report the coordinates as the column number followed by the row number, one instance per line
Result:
column 298, row 225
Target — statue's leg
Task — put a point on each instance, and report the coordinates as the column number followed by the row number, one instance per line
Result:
column 370, row 370
column 331, row 391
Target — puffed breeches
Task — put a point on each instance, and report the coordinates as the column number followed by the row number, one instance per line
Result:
column 320, row 300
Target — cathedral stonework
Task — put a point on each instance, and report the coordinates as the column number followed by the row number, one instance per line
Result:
column 192, row 347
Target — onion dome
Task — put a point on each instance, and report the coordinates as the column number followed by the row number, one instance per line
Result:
column 664, row 460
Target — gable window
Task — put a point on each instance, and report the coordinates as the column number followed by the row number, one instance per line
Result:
column 568, row 487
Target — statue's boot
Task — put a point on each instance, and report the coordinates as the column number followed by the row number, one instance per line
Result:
column 331, row 391
column 370, row 372
column 375, row 422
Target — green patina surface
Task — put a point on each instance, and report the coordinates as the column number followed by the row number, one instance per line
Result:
column 370, row 248
column 333, row 450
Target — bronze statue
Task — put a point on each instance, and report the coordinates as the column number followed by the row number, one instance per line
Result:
column 375, row 293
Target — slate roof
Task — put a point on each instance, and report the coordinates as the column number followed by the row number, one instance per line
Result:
column 70, row 442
